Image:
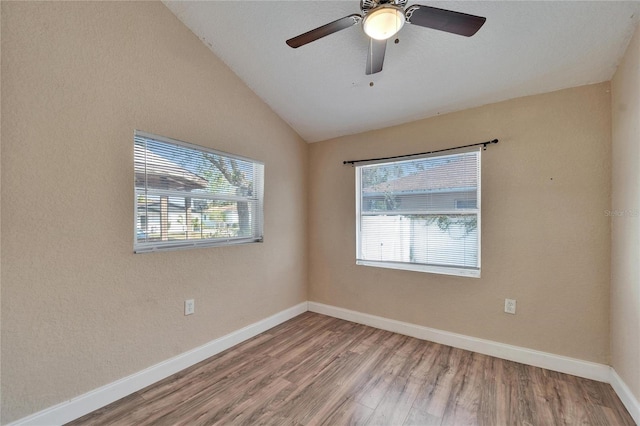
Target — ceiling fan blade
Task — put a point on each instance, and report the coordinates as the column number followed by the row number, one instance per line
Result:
column 444, row 20
column 324, row 30
column 375, row 58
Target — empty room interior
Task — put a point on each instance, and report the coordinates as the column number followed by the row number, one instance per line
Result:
column 337, row 212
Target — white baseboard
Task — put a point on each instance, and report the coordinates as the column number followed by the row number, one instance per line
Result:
column 576, row 367
column 626, row 396
column 98, row 398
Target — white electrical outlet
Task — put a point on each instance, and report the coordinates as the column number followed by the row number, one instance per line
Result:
column 189, row 307
column 510, row 306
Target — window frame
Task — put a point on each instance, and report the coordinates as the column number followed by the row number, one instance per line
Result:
column 157, row 246
column 419, row 267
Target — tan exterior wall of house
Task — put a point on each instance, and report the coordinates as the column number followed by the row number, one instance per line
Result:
column 79, row 309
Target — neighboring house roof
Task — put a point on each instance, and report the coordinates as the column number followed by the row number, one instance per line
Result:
column 442, row 177
column 164, row 174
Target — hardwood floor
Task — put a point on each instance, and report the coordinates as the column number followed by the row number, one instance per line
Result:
column 316, row 370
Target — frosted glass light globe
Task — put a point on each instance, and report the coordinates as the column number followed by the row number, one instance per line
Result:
column 383, row 22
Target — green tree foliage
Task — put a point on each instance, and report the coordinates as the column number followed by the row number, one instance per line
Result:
column 231, row 179
column 447, row 223
column 374, row 180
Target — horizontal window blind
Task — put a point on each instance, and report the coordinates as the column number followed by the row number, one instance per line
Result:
column 421, row 214
column 191, row 196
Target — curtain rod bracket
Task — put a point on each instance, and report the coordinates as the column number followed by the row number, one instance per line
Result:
column 484, row 145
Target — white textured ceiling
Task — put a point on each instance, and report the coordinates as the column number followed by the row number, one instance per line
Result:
column 321, row 90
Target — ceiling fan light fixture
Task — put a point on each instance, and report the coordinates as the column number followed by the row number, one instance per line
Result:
column 383, row 22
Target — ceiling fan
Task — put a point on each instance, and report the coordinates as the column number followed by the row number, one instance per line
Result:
column 382, row 19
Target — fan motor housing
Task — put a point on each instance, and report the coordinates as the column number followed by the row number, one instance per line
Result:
column 367, row 5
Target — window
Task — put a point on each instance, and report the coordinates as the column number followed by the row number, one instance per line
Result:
column 420, row 214
column 189, row 196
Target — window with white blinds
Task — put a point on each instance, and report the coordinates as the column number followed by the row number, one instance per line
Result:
column 421, row 214
column 189, row 196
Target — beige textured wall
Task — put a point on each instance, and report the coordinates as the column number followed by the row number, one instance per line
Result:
column 79, row 309
column 545, row 238
column 625, row 246
column 0, row 217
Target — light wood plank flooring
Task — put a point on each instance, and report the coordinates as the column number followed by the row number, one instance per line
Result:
column 316, row 370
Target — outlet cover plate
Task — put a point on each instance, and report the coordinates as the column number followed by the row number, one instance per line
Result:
column 189, row 307
column 510, row 306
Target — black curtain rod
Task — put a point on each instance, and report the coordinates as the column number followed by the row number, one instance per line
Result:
column 484, row 147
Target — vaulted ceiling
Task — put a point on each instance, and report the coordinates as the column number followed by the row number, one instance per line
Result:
column 321, row 90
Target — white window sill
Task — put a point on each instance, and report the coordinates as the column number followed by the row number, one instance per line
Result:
column 444, row 270
column 185, row 245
